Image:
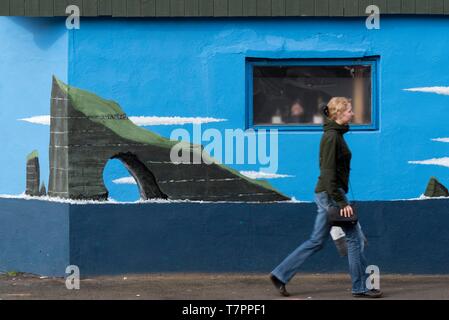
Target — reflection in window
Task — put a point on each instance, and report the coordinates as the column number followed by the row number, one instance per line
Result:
column 294, row 95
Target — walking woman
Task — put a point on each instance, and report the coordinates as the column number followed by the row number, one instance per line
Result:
column 331, row 189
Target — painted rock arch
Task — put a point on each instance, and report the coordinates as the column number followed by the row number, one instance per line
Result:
column 86, row 131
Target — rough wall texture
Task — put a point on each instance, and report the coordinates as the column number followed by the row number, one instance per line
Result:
column 86, row 131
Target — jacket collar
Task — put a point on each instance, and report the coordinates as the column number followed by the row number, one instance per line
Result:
column 330, row 124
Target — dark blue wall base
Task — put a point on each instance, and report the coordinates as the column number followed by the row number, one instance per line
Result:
column 34, row 236
column 44, row 237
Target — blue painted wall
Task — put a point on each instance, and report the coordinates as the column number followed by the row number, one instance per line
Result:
column 197, row 68
column 31, row 50
column 250, row 237
column 34, row 236
column 182, row 67
column 43, row 237
column 190, row 68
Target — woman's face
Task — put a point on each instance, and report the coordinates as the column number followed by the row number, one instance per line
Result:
column 346, row 116
column 297, row 110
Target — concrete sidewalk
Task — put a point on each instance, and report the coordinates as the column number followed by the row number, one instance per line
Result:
column 193, row 286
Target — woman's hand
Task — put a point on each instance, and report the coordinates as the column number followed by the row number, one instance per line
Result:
column 346, row 212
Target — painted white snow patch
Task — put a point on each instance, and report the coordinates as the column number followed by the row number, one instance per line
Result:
column 436, row 161
column 166, row 201
column 44, row 120
column 437, row 90
column 51, row 199
column 83, row 202
column 166, row 121
column 421, row 197
column 115, row 202
column 125, row 180
column 140, row 120
column 441, row 139
column 264, row 175
column 294, row 200
column 424, row 197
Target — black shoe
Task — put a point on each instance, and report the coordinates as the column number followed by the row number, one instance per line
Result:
column 279, row 285
column 368, row 294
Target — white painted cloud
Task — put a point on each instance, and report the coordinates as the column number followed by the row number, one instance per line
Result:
column 435, row 161
column 125, row 180
column 264, row 175
column 441, row 140
column 44, row 120
column 437, row 90
column 141, row 121
column 166, row 121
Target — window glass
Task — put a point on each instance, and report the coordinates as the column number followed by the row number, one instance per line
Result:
column 294, row 95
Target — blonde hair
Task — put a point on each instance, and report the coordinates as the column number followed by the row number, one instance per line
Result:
column 336, row 106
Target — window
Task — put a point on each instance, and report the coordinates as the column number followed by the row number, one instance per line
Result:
column 289, row 94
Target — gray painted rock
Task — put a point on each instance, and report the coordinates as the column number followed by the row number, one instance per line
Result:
column 86, row 131
column 33, row 174
column 436, row 189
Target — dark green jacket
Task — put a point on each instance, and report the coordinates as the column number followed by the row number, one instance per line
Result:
column 335, row 161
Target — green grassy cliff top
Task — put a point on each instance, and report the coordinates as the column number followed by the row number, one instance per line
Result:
column 32, row 155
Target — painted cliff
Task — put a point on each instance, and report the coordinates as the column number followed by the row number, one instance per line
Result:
column 86, row 131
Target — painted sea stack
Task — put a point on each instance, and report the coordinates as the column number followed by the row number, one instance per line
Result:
column 436, row 189
column 87, row 131
column 32, row 174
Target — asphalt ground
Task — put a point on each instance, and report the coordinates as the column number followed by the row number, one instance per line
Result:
column 200, row 286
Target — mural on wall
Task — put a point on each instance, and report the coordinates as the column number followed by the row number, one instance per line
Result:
column 434, row 187
column 87, row 131
column 203, row 73
column 166, row 73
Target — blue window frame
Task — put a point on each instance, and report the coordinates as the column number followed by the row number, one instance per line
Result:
column 288, row 94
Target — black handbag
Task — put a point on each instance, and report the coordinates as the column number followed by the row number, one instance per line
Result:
column 335, row 219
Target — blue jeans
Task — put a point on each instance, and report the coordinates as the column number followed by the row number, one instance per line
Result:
column 356, row 258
